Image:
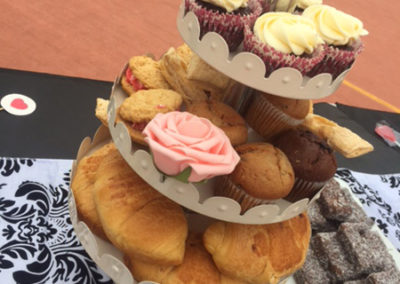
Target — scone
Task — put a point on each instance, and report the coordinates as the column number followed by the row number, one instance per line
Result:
column 83, row 186
column 197, row 267
column 137, row 219
column 142, row 73
column 136, row 111
column 262, row 254
column 224, row 117
column 262, row 175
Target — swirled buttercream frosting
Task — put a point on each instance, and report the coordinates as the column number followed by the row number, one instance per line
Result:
column 228, row 5
column 287, row 33
column 335, row 27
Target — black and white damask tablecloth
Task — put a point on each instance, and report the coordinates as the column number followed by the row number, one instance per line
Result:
column 38, row 243
column 37, row 240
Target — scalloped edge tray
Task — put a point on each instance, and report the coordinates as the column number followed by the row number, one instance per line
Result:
column 103, row 253
column 199, row 198
column 249, row 69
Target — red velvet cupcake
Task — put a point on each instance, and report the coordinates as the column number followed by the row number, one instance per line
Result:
column 228, row 21
column 284, row 40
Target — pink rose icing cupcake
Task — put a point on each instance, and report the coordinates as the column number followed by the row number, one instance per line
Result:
column 282, row 39
column 180, row 140
column 225, row 17
column 341, row 33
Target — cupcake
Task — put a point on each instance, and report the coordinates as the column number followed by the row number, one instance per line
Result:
column 224, row 117
column 263, row 174
column 341, row 34
column 292, row 6
column 284, row 40
column 226, row 18
column 312, row 160
column 270, row 115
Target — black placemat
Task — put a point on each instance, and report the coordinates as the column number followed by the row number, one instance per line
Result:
column 64, row 114
column 384, row 159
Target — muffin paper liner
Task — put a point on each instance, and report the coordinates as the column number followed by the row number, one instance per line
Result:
column 229, row 26
column 225, row 187
column 275, row 59
column 266, row 119
column 304, row 189
column 337, row 60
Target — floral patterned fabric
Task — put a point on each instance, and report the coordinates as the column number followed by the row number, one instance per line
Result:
column 38, row 243
column 380, row 196
column 37, row 240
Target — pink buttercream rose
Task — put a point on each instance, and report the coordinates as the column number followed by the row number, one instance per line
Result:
column 179, row 140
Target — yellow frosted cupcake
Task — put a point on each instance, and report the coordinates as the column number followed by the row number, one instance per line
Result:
column 341, row 33
column 284, row 40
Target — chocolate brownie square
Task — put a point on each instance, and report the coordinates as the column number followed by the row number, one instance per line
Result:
column 318, row 222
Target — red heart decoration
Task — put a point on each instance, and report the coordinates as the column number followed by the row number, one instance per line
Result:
column 19, row 104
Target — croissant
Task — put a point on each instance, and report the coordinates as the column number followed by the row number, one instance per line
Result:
column 83, row 187
column 259, row 253
column 197, row 267
column 137, row 219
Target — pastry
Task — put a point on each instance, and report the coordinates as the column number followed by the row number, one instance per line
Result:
column 101, row 110
column 270, row 115
column 312, row 160
column 137, row 219
column 227, row 18
column 199, row 70
column 224, row 117
column 262, row 175
column 174, row 67
column 282, row 39
column 259, row 253
column 136, row 111
column 142, row 73
column 341, row 139
column 341, row 33
column 197, row 267
column 83, row 186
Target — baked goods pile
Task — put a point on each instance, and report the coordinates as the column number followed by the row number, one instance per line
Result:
column 152, row 231
column 198, row 125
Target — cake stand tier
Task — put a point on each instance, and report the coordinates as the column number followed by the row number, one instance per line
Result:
column 249, row 69
column 199, row 198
